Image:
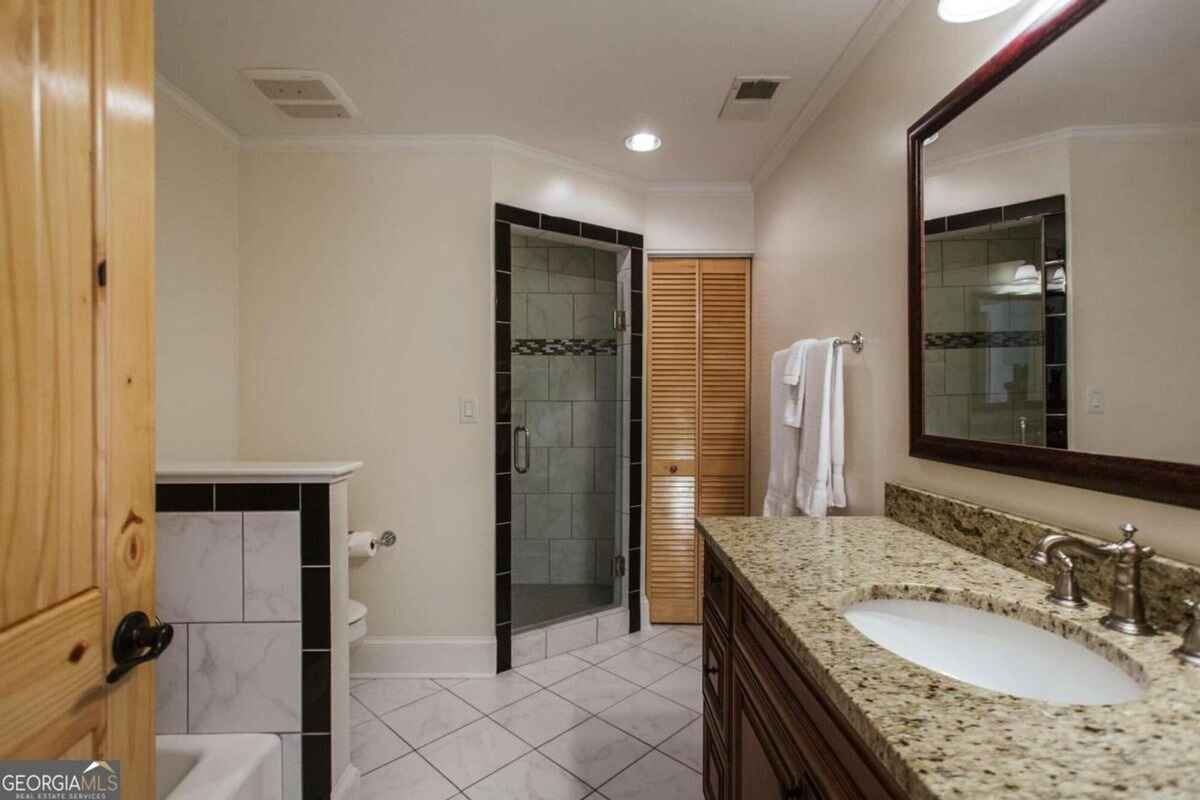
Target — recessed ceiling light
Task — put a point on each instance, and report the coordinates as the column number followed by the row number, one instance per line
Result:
column 643, row 142
column 972, row 10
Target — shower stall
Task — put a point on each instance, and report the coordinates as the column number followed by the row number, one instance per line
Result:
column 566, row 410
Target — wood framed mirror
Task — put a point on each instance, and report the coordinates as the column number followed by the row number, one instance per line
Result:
column 1054, row 226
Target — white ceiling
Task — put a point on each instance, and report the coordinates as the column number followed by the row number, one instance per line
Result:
column 1131, row 62
column 574, row 77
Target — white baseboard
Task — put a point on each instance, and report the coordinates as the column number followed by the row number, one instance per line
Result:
column 347, row 787
column 423, row 657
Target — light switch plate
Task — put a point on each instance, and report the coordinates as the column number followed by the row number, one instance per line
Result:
column 1095, row 400
column 468, row 410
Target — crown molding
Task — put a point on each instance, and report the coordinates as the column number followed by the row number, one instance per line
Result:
column 864, row 39
column 1102, row 133
column 566, row 162
column 194, row 110
column 370, row 143
column 702, row 188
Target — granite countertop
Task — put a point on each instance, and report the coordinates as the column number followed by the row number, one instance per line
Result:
column 939, row 737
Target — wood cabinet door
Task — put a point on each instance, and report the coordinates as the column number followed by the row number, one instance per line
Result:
column 76, row 365
column 764, row 765
column 672, row 573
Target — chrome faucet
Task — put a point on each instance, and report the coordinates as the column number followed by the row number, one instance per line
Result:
column 1128, row 614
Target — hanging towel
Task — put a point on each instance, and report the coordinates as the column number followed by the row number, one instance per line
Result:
column 814, row 487
column 785, row 445
column 837, row 433
column 793, row 376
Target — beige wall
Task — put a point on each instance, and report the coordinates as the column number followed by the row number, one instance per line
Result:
column 1133, row 289
column 196, row 285
column 698, row 220
column 565, row 189
column 831, row 258
column 998, row 179
column 366, row 299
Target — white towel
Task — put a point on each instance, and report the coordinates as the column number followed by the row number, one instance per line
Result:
column 837, row 433
column 793, row 376
column 815, row 490
column 785, row 445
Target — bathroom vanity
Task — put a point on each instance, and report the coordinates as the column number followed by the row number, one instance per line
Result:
column 800, row 704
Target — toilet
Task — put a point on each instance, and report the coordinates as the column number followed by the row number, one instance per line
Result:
column 357, row 619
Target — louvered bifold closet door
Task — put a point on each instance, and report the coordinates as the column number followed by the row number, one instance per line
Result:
column 672, row 571
column 724, row 386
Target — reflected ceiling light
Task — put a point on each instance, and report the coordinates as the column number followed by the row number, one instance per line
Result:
column 643, row 142
column 1026, row 273
column 972, row 10
column 933, row 138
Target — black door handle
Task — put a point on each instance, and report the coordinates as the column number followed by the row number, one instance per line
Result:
column 137, row 641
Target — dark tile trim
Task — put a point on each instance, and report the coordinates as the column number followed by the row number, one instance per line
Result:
column 561, row 225
column 564, row 347
column 259, row 497
column 635, row 529
column 315, row 692
column 183, row 497
column 503, row 347
column 316, row 772
column 503, row 447
column 635, row 575
column 1056, row 204
column 314, row 525
column 629, row 239
column 598, row 233
column 635, row 609
column 503, row 397
column 504, row 598
column 503, row 245
column 635, row 485
column 503, row 547
column 636, row 270
column 517, row 216
column 503, row 647
column 315, row 618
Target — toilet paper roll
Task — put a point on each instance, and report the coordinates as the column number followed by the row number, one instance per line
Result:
column 362, row 544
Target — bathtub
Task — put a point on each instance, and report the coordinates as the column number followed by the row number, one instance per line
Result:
column 229, row 766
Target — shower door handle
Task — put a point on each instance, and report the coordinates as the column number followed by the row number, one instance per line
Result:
column 521, row 453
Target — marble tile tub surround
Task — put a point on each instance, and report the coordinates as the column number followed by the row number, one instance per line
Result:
column 622, row 723
column 250, row 575
column 1008, row 539
column 940, row 738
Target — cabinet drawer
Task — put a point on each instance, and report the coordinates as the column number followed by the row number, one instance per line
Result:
column 715, row 774
column 718, row 588
column 715, row 667
column 839, row 764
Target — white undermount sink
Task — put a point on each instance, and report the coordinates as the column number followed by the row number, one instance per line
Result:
column 993, row 652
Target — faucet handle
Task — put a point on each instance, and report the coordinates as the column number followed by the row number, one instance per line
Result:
column 1189, row 649
column 1128, row 529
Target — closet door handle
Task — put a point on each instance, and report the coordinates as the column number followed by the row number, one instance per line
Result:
column 521, row 453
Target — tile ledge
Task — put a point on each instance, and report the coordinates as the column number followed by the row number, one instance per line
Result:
column 255, row 471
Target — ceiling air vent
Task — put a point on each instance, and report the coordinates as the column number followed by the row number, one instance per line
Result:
column 302, row 93
column 749, row 99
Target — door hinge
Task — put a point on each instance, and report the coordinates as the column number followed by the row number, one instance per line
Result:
column 102, row 274
column 618, row 319
column 618, row 566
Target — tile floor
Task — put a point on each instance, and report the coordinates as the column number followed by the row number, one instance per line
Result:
column 620, row 720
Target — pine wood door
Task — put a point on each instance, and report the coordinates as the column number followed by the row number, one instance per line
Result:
column 76, row 365
column 697, row 441
column 672, row 411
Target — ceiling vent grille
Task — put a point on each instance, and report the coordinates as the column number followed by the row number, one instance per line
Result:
column 749, row 98
column 302, row 93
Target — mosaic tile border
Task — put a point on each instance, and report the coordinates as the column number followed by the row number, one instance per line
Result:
column 1007, row 539
column 564, row 347
column 968, row 339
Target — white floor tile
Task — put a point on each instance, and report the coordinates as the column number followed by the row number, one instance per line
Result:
column 359, row 713
column 682, row 644
column 682, row 686
column 539, row 718
column 687, row 745
column 430, row 718
column 553, row 670
column 448, row 682
column 594, row 751
column 473, row 752
column 648, row 716
column 531, row 777
column 410, row 778
column 594, row 689
column 604, row 650
column 641, row 666
column 655, row 777
column 697, row 663
column 373, row 744
column 489, row 694
column 387, row 694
